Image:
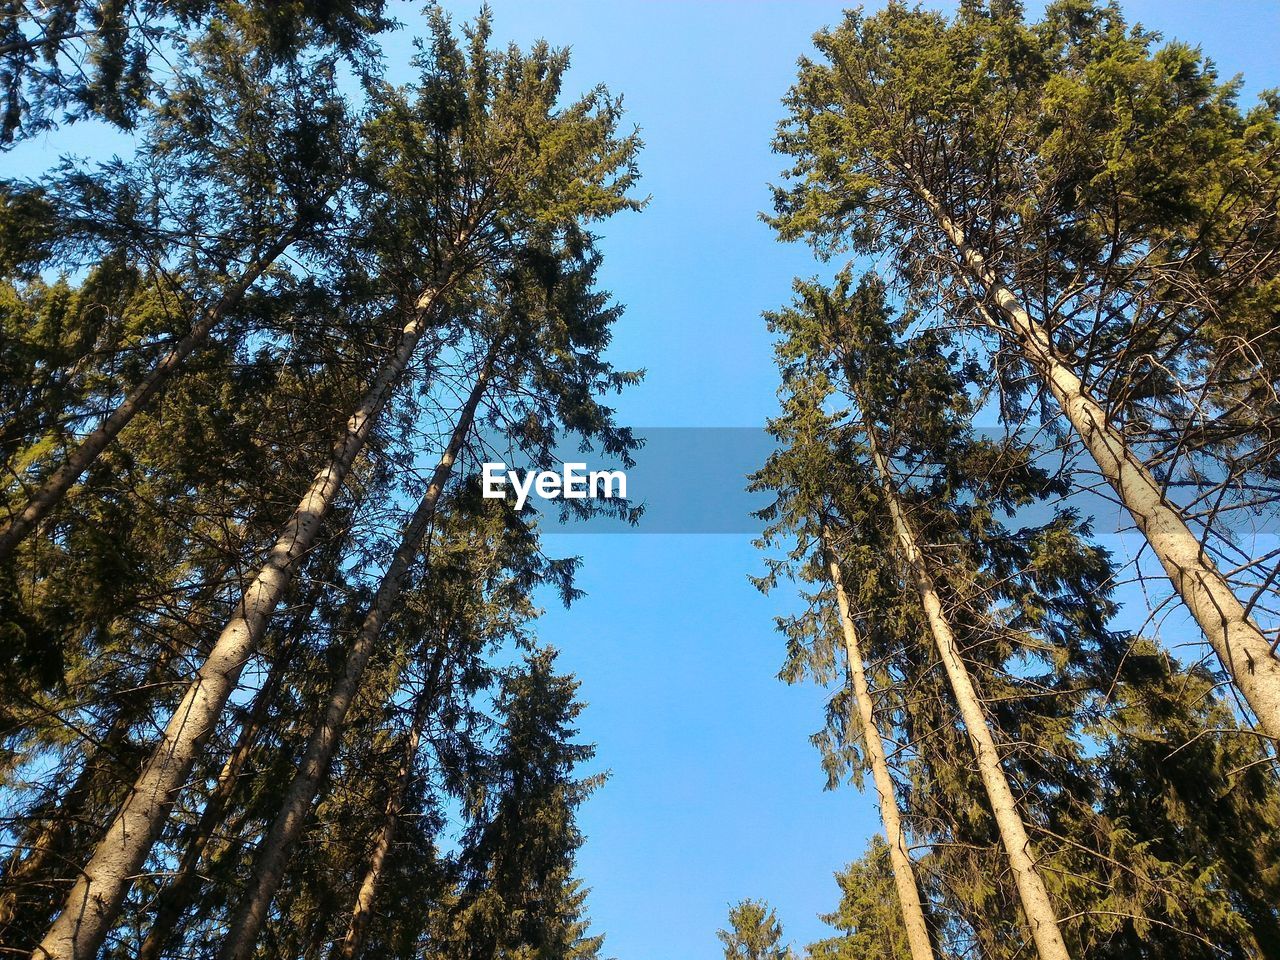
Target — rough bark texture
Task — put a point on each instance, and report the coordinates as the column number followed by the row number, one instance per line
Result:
column 1237, row 640
column 49, row 850
column 96, row 898
column 173, row 900
column 47, row 496
column 273, row 855
column 1036, row 905
column 904, row 875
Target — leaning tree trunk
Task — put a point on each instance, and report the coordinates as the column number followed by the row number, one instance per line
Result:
column 275, row 849
column 352, row 944
column 96, row 898
column 904, row 874
column 52, row 842
column 172, row 901
column 49, row 493
column 1036, row 905
column 1237, row 640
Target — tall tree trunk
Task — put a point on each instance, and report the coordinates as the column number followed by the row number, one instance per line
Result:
column 172, row 901
column 352, row 944
column 1036, row 905
column 49, row 493
column 52, row 841
column 96, row 898
column 1237, row 640
column 276, row 847
column 904, row 875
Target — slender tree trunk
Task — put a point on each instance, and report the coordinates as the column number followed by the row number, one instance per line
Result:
column 53, row 839
column 1036, row 905
column 96, row 898
column 276, row 847
column 1237, row 640
column 904, row 875
column 47, row 496
column 352, row 945
column 172, row 901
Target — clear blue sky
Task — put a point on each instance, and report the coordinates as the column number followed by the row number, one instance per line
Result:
column 716, row 793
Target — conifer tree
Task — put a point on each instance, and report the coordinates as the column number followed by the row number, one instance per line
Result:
column 239, row 154
column 754, row 933
column 464, row 200
column 517, row 896
column 67, row 60
column 1028, row 607
column 801, row 477
column 869, row 930
column 956, row 147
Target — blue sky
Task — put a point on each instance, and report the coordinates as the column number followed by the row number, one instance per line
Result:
column 716, row 793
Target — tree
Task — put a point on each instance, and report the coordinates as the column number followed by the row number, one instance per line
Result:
column 1084, row 260
column 517, row 896
column 500, row 372
column 476, row 207
column 869, row 929
column 1027, row 608
column 236, row 167
column 82, row 60
column 754, row 933
column 808, row 503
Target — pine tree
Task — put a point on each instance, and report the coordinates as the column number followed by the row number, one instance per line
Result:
column 869, row 930
column 240, row 154
column 806, row 507
column 1028, row 608
column 64, row 60
column 461, row 219
column 517, row 896
column 956, row 147
column 754, row 933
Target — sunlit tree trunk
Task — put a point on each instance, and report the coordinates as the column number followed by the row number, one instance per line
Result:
column 274, row 851
column 55, row 487
column 904, row 875
column 173, row 900
column 1036, row 905
column 95, row 900
column 49, row 844
column 1237, row 640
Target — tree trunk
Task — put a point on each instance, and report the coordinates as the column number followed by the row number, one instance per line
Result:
column 904, row 875
column 275, row 848
column 172, row 901
column 1237, row 640
column 47, row 496
column 95, row 900
column 53, row 840
column 1036, row 905
column 352, row 945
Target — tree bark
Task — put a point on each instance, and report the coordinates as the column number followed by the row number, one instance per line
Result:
column 173, row 900
column 1036, row 905
column 904, row 875
column 1237, row 640
column 96, row 898
column 52, row 841
column 55, row 487
column 274, row 851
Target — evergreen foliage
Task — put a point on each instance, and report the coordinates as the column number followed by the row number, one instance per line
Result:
column 754, row 933
column 187, row 330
